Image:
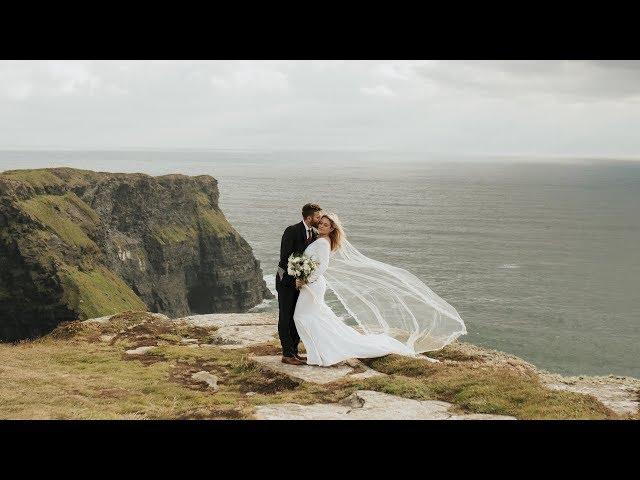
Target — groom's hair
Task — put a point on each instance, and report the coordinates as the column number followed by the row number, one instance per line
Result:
column 310, row 209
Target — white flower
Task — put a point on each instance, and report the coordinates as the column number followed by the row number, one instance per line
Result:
column 301, row 266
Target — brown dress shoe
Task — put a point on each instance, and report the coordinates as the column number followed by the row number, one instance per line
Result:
column 292, row 361
column 300, row 357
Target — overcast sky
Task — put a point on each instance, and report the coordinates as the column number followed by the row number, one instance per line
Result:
column 581, row 108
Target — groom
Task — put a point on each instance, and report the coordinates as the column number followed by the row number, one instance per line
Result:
column 294, row 240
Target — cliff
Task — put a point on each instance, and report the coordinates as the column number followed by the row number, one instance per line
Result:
column 77, row 244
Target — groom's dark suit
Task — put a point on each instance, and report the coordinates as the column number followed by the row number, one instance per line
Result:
column 293, row 241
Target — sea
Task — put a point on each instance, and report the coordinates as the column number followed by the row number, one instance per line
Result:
column 540, row 256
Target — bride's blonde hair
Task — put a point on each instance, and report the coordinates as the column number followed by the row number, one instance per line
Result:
column 337, row 235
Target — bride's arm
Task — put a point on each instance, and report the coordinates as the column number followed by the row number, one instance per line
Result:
column 323, row 257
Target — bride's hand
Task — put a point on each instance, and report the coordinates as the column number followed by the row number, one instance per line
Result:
column 299, row 283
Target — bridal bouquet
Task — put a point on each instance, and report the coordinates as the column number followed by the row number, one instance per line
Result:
column 301, row 266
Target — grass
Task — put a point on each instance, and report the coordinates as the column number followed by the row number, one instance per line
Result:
column 65, row 215
column 71, row 374
column 97, row 292
column 482, row 389
column 38, row 178
column 41, row 178
column 80, row 370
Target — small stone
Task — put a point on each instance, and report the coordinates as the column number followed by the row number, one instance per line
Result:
column 106, row 338
column 139, row 350
column 250, row 394
column 429, row 359
column 353, row 401
column 206, row 377
column 353, row 363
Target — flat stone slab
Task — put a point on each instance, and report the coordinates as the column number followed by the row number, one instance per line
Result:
column 368, row 405
column 230, row 319
column 315, row 374
column 237, row 330
column 208, row 378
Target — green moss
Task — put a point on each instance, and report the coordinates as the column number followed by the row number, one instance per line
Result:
column 97, row 292
column 174, row 233
column 210, row 216
column 82, row 207
column 65, row 215
column 213, row 221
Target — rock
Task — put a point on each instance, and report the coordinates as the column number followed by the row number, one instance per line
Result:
column 78, row 244
column 106, row 338
column 237, row 330
column 368, row 405
column 207, row 378
column 309, row 373
column 429, row 359
column 622, row 394
column 189, row 340
column 230, row 319
column 101, row 320
column 481, row 416
column 139, row 350
column 352, row 401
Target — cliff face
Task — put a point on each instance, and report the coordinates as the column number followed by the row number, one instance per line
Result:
column 76, row 244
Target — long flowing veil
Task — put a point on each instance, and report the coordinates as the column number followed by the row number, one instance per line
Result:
column 382, row 298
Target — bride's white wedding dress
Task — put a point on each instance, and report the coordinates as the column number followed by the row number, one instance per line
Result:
column 327, row 339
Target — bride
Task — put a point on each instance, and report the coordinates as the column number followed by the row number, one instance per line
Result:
column 395, row 312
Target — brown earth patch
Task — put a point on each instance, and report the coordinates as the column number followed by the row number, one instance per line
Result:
column 145, row 358
column 269, row 384
column 234, row 413
column 265, row 349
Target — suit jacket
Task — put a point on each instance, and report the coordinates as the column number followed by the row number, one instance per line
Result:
column 293, row 241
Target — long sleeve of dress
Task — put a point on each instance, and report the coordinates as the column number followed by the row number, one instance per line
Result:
column 322, row 256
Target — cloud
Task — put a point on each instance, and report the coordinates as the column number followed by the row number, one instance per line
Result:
column 378, row 91
column 21, row 80
column 554, row 79
column 483, row 107
column 251, row 77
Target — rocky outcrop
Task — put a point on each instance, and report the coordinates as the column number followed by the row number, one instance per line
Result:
column 77, row 244
column 369, row 405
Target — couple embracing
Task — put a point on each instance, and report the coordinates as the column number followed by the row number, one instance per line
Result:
column 394, row 311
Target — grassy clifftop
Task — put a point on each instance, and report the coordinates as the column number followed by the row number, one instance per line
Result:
column 82, row 370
